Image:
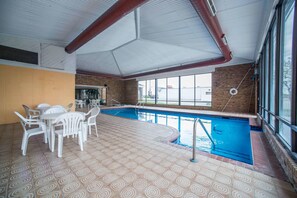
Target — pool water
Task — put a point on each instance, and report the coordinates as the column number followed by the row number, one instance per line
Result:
column 231, row 135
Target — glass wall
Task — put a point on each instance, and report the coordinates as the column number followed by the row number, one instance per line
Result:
column 141, row 91
column 272, row 74
column 276, row 76
column 173, row 91
column 286, row 68
column 187, row 84
column 162, row 91
column 193, row 90
column 150, row 91
column 203, row 90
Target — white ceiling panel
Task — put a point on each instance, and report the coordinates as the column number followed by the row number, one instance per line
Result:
column 102, row 62
column 49, row 19
column 175, row 22
column 240, row 21
column 20, row 43
column 144, row 55
column 121, row 32
column 164, row 34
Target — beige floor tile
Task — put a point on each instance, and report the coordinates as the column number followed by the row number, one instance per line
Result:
column 126, row 160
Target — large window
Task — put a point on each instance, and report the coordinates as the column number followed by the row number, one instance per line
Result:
column 187, row 90
column 266, row 78
column 193, row 90
column 150, row 91
column 203, row 90
column 162, row 91
column 286, row 68
column 141, row 91
column 173, row 91
column 272, row 74
column 276, row 76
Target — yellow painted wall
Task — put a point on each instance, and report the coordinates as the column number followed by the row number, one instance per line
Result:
column 19, row 85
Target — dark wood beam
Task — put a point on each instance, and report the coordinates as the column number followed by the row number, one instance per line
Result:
column 112, row 15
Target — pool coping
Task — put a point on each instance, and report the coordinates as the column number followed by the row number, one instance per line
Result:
column 192, row 111
column 258, row 165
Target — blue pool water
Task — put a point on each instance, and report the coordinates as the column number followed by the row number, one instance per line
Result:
column 231, row 135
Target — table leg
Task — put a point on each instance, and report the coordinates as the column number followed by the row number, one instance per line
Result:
column 52, row 136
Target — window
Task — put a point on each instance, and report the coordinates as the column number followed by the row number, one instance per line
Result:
column 286, row 69
column 203, row 90
column 266, row 78
column 162, row 91
column 262, row 87
column 173, row 91
column 141, row 91
column 150, row 91
column 272, row 74
column 187, row 90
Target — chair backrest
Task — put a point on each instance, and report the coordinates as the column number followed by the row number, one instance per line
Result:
column 43, row 105
column 93, row 114
column 68, row 107
column 72, row 122
column 58, row 106
column 23, row 120
column 26, row 110
column 55, row 110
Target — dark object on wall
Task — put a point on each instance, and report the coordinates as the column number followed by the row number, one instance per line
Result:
column 13, row 54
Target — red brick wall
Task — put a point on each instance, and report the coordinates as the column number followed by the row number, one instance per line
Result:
column 225, row 78
column 131, row 92
column 115, row 90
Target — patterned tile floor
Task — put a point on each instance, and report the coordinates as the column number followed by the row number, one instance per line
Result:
column 125, row 161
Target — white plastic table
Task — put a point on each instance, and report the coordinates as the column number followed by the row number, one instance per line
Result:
column 42, row 109
column 50, row 118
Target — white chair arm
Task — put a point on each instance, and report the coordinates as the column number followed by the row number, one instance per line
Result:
column 34, row 112
column 89, row 118
column 36, row 122
column 86, row 114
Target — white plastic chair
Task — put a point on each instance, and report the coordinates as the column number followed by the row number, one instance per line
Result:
column 79, row 103
column 30, row 113
column 94, row 103
column 72, row 125
column 31, row 132
column 43, row 105
column 93, row 113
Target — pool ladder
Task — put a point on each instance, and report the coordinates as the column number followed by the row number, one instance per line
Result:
column 194, row 137
column 139, row 105
column 115, row 102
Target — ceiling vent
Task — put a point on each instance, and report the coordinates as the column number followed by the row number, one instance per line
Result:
column 212, row 7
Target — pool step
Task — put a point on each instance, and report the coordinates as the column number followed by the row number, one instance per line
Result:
column 254, row 125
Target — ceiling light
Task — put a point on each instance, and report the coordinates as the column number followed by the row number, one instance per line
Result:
column 212, row 7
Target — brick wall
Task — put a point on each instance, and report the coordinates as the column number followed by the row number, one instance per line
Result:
column 223, row 79
column 115, row 90
column 131, row 92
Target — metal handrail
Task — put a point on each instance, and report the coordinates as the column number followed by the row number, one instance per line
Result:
column 194, row 137
column 140, row 104
column 113, row 100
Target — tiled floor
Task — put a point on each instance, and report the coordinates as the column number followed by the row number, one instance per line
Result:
column 127, row 160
